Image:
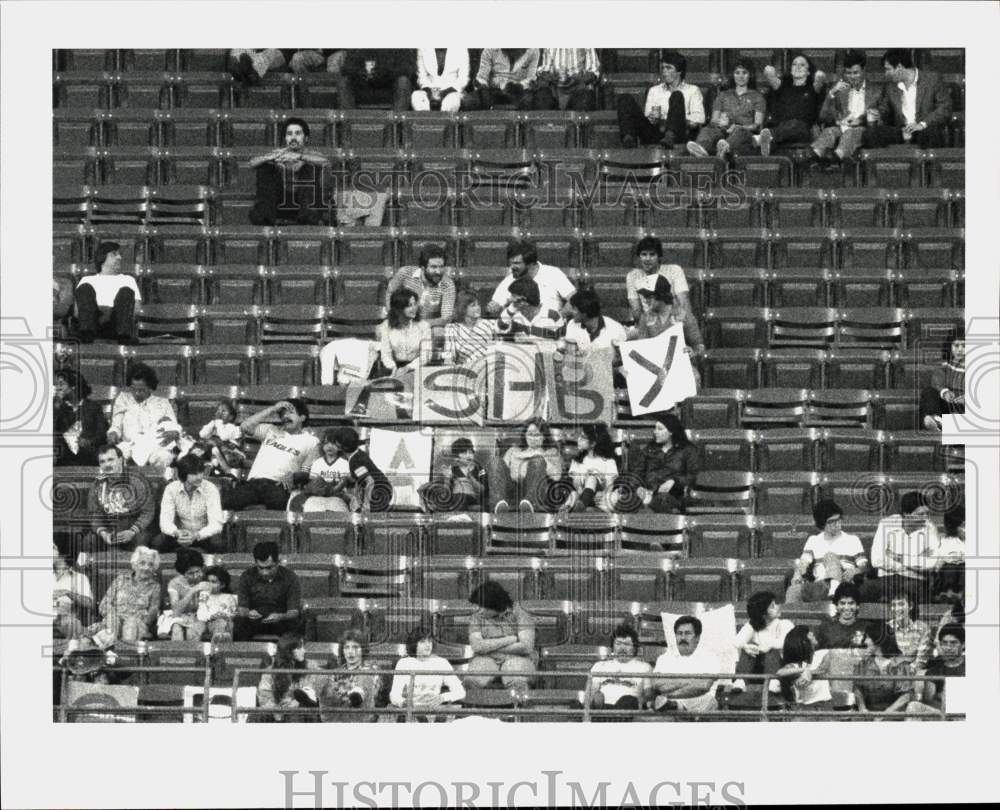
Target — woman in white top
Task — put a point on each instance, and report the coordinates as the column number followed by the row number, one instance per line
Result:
column 802, row 663
column 468, row 337
column 760, row 640
column 593, row 471
column 428, row 691
column 403, row 338
column 442, row 75
column 72, row 598
column 136, row 417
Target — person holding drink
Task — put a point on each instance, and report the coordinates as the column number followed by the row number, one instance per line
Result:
column 737, row 115
column 850, row 106
column 674, row 109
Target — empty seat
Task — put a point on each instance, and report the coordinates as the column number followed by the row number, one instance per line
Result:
column 787, row 449
column 738, row 248
column 801, row 247
column 843, row 450
column 243, row 285
column 731, row 368
column 915, row 451
column 702, row 580
column 946, row 168
column 298, row 245
column 839, row 408
column 736, row 327
column 724, row 449
column 774, row 407
column 301, row 284
column 891, row 168
column 490, row 129
column 858, row 368
column 872, row 328
column 720, row 536
column 713, row 408
column 723, row 492
column 785, row 493
column 806, row 287
column 764, row 172
column 793, row 367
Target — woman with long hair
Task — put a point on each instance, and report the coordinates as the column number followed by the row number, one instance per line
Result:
column 793, row 105
column 882, row 656
column 660, row 471
column 353, row 688
column 801, row 662
column 530, row 473
column 593, row 470
column 760, row 641
column 78, row 422
column 403, row 337
column 469, row 335
column 281, row 690
column 429, row 691
column 737, row 115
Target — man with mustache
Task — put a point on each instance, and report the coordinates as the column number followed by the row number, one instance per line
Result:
column 687, row 694
column 290, row 181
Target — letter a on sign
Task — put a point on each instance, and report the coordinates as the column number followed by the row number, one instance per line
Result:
column 657, row 371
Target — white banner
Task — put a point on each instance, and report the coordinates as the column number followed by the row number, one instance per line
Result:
column 657, row 371
column 405, row 458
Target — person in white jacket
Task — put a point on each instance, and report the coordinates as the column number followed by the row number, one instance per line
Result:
column 426, row 688
column 442, row 75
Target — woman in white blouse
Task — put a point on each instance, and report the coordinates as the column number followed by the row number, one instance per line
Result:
column 593, row 471
column 403, row 338
column 760, row 641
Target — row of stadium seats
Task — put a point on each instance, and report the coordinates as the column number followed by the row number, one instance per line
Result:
column 510, row 169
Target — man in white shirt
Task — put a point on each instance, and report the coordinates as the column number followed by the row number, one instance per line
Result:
column 688, row 694
column 105, row 302
column 285, row 449
column 844, row 113
column 674, row 109
column 834, row 556
column 554, row 287
column 903, row 553
column 618, row 682
column 649, row 252
column 190, row 510
column 525, row 315
column 588, row 328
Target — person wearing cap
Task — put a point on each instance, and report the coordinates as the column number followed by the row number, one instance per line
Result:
column 372, row 489
column 120, row 503
column 689, row 658
column 285, row 449
column 132, row 603
column 525, row 315
column 138, row 416
column 660, row 313
column 674, row 109
column 190, row 510
column 554, row 288
column 649, row 255
column 290, row 181
column 831, row 556
column 269, row 596
column 106, row 301
column 903, row 550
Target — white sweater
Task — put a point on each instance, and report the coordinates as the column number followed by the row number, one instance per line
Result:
column 425, row 687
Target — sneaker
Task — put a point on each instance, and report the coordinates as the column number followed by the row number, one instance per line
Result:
column 696, row 149
column 933, row 423
column 525, row 506
column 502, row 508
column 765, row 143
column 721, row 148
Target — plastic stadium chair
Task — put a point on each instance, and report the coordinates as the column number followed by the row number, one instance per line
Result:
column 435, row 131
column 713, row 408
column 721, row 492
column 724, row 449
column 839, row 408
column 721, row 212
column 394, row 536
column 929, row 287
column 217, row 364
column 74, row 129
column 774, row 171
column 373, row 577
column 167, row 323
column 929, row 247
column 746, row 247
column 774, row 407
column 178, row 128
column 281, row 364
column 783, row 538
column 252, row 527
column 793, row 367
column 802, row 247
column 784, row 493
column 490, row 129
column 449, row 576
column 764, row 574
column 172, row 364
column 946, row 168
column 872, row 328
column 862, row 286
column 99, row 363
column 702, row 580
column 301, row 244
column 806, row 287
column 860, row 208
column 517, row 533
column 721, row 536
column 732, row 368
column 915, row 451
column 849, row 449
column 301, row 284
column 787, row 449
column 736, row 327
column 359, row 284
column 858, row 368
column 551, row 130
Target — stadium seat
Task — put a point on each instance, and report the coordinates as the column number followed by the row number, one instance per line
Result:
column 731, row 368
column 74, row 129
column 787, row 449
column 738, row 248
column 372, row 577
column 946, row 168
column 600, row 130
column 172, row 364
column 920, row 208
column 593, row 622
column 764, row 574
column 713, row 408
column 287, row 364
column 100, row 363
column 508, row 169
column 839, row 408
column 298, row 245
column 435, row 207
column 224, row 324
column 574, row 579
column 702, row 580
column 429, row 131
column 553, row 209
column 870, row 494
column 301, row 284
column 802, row 328
column 721, row 492
column 782, row 538
column 372, row 247
column 802, row 247
column 292, row 323
column 631, row 167
column 724, row 449
column 784, row 493
column 928, row 287
column 82, row 90
column 551, row 130
column 394, row 536
column 71, row 204
column 242, row 655
column 490, row 129
column 915, row 451
column 896, row 411
column 720, row 536
column 774, row 171
column 643, row 531
column 774, row 407
column 735, row 327
column 931, row 329
column 900, row 167
column 862, row 286
column 793, row 367
column 843, row 450
column 219, row 364
column 182, row 245
column 517, row 533
column 929, row 247
column 570, row 659
column 179, row 205
column 872, row 328
column 75, row 168
column 139, row 90
column 858, row 368
column 167, row 322
column 251, row 527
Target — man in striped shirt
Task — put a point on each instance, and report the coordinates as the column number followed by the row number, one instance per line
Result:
column 435, row 290
column 567, row 79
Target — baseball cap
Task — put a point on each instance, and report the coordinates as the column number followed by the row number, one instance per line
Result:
column 656, row 286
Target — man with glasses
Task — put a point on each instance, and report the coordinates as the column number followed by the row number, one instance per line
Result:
column 903, row 553
column 618, row 682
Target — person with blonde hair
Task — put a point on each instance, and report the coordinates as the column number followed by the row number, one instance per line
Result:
column 132, row 603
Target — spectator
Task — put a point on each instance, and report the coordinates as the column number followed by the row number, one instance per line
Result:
column 588, row 328
column 249, row 65
column 946, row 393
column 506, row 76
column 690, row 658
column 404, row 336
column 844, row 630
column 376, row 76
column 119, row 502
column 72, row 599
column 461, row 485
column 502, row 637
column 442, row 76
column 760, row 641
column 290, row 181
column 223, row 427
column 554, row 287
column 329, row 474
column 903, row 552
column 737, row 115
column 221, row 438
column 912, row 635
column 429, row 691
column 829, row 557
column 138, row 418
column 929, row 694
column 619, row 682
column 309, row 60
column 674, row 109
column 190, row 510
column 793, row 106
column 431, row 283
column 593, row 471
column 530, row 473
column 949, row 558
column 105, row 301
column 354, row 689
column 284, row 451
column 803, row 672
column 660, row 471
column 184, row 592
column 844, row 113
column 525, row 315
column 269, row 599
column 373, row 491
column 217, row 611
column 281, row 690
column 567, row 79
column 915, row 108
column 881, row 657
column 649, row 253
column 660, row 313
column 132, row 602
column 78, row 422
column 469, row 336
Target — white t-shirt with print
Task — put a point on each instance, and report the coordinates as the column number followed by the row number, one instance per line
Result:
column 617, row 679
column 552, row 282
column 281, row 454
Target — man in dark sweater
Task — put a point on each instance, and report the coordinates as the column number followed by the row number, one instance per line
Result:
column 845, row 630
column 269, row 597
column 120, row 503
column 377, row 76
column 950, row 663
column 290, row 181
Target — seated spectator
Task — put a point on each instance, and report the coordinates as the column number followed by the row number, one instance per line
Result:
column 281, row 690
column 567, row 79
column 190, row 510
column 618, row 682
column 431, row 283
column 690, row 658
column 660, row 471
column 290, row 181
column 593, row 470
column 530, row 474
column 430, row 691
column 903, row 552
column 221, row 439
column 929, row 694
column 72, row 599
column 442, row 76
column 946, row 393
column 659, row 314
column 829, row 557
column 760, row 641
column 913, row 636
column 587, row 328
column 329, row 474
column 649, row 253
column 309, row 60
column 137, row 419
column 915, row 108
column 737, row 115
column 249, row 65
column 793, row 107
column 674, row 109
column 469, row 336
column 881, row 657
column 506, row 76
column 106, row 300
column 62, row 300
column 461, row 485
column 844, row 114
column 132, row 602
column 223, row 427
column 554, row 288
column 502, row 637
column 78, row 422
column 403, row 337
column 372, row 489
column 184, row 592
column 949, row 559
column 119, row 502
column 376, row 76
column 525, row 315
column 269, row 597
column 844, row 630
column 354, row 689
column 803, row 672
column 285, row 449
column 217, row 610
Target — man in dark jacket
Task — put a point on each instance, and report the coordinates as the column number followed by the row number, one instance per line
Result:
column 915, row 109
column 120, row 503
column 377, row 76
